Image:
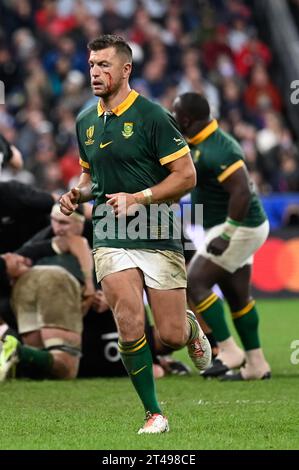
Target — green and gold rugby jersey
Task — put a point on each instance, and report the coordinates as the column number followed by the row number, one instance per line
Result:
column 216, row 156
column 125, row 151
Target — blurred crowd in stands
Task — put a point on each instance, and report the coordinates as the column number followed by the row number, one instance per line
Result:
column 210, row 46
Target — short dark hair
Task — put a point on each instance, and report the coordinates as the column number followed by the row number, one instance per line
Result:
column 196, row 105
column 111, row 40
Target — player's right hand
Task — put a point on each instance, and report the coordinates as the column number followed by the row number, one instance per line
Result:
column 217, row 246
column 69, row 201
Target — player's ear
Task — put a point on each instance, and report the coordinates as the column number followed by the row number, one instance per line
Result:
column 127, row 70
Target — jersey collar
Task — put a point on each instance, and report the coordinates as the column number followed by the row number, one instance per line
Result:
column 122, row 107
column 204, row 133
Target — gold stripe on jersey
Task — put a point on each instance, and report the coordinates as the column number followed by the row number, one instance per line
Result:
column 122, row 107
column 230, row 170
column 84, row 164
column 204, row 133
column 174, row 156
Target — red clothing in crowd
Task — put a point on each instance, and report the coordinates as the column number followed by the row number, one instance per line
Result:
column 251, row 53
column 254, row 96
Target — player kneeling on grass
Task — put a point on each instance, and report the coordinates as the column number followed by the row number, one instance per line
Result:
column 49, row 302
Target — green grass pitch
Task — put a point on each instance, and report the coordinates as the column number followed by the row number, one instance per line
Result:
column 105, row 413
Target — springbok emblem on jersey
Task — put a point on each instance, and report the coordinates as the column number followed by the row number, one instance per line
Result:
column 89, row 135
column 128, row 130
column 178, row 141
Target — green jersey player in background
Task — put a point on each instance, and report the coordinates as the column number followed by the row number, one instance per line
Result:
column 235, row 227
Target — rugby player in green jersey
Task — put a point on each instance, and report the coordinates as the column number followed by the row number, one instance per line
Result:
column 133, row 156
column 236, row 226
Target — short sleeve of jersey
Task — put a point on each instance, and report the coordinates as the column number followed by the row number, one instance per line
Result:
column 166, row 142
column 83, row 158
column 226, row 160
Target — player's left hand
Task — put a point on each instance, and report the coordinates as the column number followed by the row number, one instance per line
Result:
column 217, row 246
column 122, row 203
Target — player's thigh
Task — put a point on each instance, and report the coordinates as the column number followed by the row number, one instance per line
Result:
column 236, row 287
column 244, row 243
column 24, row 304
column 124, row 294
column 203, row 274
column 169, row 309
column 59, row 299
column 57, row 336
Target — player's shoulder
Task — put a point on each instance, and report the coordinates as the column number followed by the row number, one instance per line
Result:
column 220, row 148
column 228, row 142
column 223, row 147
column 150, row 108
column 86, row 114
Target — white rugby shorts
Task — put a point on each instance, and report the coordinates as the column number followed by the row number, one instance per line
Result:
column 162, row 269
column 244, row 243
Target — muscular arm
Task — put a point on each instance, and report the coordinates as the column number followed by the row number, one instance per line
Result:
column 238, row 187
column 79, row 247
column 82, row 193
column 181, row 180
column 85, row 186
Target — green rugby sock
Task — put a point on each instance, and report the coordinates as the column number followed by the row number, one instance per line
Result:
column 246, row 322
column 37, row 360
column 137, row 359
column 212, row 311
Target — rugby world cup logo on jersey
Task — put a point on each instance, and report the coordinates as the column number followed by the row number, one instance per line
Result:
column 89, row 135
column 128, row 130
